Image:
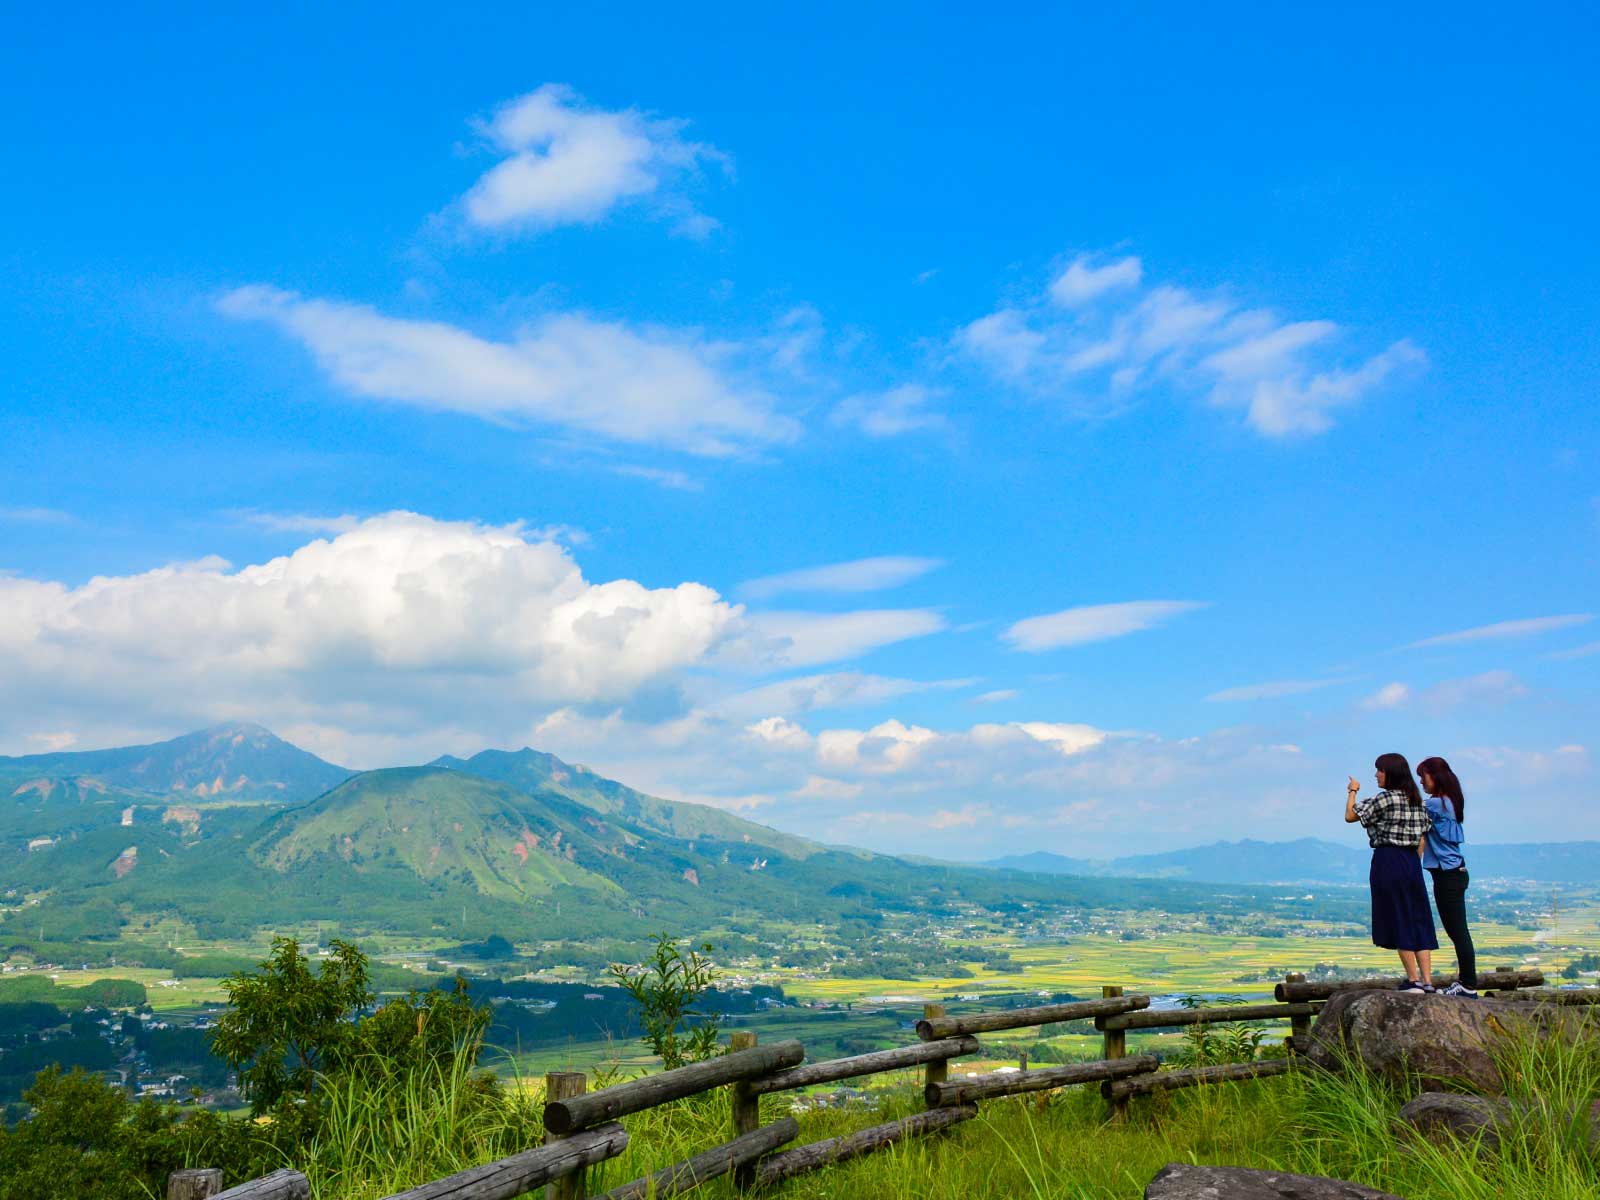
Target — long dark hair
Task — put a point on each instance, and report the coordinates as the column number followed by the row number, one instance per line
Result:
column 1397, row 776
column 1444, row 782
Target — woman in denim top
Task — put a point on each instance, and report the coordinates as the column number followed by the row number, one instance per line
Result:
column 1441, row 855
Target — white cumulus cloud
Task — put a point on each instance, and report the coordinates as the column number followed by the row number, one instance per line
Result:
column 567, row 162
column 402, row 624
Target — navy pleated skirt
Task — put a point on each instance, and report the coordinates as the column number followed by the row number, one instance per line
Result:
column 1401, row 916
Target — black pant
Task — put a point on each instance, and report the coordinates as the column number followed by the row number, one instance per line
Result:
column 1450, row 898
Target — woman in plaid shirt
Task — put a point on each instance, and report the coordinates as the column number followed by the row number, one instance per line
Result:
column 1396, row 823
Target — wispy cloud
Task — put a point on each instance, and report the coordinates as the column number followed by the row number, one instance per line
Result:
column 1099, row 326
column 35, row 516
column 297, row 522
column 567, row 162
column 1390, row 695
column 1093, row 623
column 805, row 638
column 1488, row 690
column 1500, row 630
column 667, row 477
column 900, row 410
column 601, row 378
column 857, row 575
column 1272, row 691
column 1583, row 651
column 998, row 696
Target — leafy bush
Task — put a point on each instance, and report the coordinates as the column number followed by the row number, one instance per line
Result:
column 666, row 990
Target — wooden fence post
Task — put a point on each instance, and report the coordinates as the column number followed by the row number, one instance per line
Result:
column 563, row 1085
column 1299, row 1027
column 194, row 1183
column 1115, row 1045
column 746, row 1106
column 939, row 1071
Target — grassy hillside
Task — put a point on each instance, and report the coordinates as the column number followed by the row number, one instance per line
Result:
column 535, row 771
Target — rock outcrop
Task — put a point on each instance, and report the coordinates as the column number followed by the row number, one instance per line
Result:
column 1442, row 1041
column 1442, row 1116
column 1184, row 1181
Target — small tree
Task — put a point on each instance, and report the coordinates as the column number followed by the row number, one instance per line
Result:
column 287, row 1024
column 666, row 989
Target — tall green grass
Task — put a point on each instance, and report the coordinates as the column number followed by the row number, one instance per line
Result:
column 409, row 1128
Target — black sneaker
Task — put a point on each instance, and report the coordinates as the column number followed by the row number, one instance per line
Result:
column 1429, row 989
column 1412, row 985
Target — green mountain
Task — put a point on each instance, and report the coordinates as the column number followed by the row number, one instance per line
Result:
column 519, row 844
column 240, row 762
column 535, row 771
column 436, row 824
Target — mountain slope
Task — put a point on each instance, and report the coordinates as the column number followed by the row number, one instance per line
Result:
column 236, row 761
column 438, row 824
column 536, row 771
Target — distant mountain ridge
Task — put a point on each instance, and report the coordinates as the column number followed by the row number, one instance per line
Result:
column 536, row 770
column 1313, row 860
column 240, row 760
column 511, row 842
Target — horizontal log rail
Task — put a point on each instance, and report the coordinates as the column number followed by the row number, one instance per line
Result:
column 508, row 1177
column 853, row 1145
column 1490, row 981
column 931, row 1028
column 723, row 1160
column 1160, row 1081
column 1586, row 995
column 1220, row 1015
column 857, row 1065
column 1013, row 1083
column 280, row 1185
column 582, row 1112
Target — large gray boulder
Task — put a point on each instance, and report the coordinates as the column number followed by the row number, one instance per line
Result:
column 1444, row 1116
column 1444, row 1041
column 1184, row 1181
column 1441, row 1116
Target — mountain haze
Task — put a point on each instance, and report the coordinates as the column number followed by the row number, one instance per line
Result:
column 1313, row 860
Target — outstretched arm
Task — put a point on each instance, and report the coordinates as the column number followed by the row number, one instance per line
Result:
column 1350, row 802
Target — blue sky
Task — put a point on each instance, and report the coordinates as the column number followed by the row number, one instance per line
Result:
column 1096, row 432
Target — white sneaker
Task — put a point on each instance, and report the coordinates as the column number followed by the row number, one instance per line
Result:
column 1459, row 989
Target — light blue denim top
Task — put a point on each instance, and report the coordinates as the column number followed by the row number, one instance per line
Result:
column 1442, row 845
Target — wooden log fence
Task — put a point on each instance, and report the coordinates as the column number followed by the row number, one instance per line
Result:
column 280, row 1185
column 508, row 1177
column 1222, row 1014
column 930, row 1028
column 582, row 1130
column 853, row 1145
column 1158, row 1081
column 580, row 1112
column 1015, row 1083
column 723, row 1160
column 1300, row 991
column 858, row 1065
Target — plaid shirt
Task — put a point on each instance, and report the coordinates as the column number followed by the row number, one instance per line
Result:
column 1392, row 820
